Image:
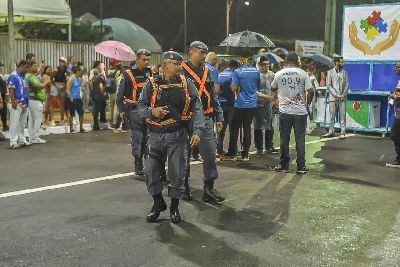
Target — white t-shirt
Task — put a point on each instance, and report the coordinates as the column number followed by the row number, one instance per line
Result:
column 292, row 84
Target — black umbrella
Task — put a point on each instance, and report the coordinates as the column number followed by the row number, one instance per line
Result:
column 247, row 39
column 322, row 59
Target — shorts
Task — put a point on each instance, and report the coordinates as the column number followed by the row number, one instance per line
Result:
column 76, row 105
column 61, row 91
column 53, row 90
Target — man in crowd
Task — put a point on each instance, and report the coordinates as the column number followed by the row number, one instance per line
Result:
column 195, row 70
column 167, row 104
column 337, row 83
column 37, row 95
column 263, row 116
column 60, row 82
column 245, row 81
column 395, row 131
column 227, row 101
column 128, row 95
column 18, row 106
column 294, row 92
column 112, row 76
column 3, row 95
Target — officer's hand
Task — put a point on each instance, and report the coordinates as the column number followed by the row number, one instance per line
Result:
column 195, row 140
column 220, row 124
column 160, row 112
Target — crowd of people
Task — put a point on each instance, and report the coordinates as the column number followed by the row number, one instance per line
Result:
column 182, row 109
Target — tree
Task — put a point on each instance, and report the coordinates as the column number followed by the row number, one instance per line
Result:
column 82, row 31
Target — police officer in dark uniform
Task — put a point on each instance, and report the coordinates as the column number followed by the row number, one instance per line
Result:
column 129, row 92
column 197, row 71
column 169, row 105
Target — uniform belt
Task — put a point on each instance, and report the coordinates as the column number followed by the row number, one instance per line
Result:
column 166, row 129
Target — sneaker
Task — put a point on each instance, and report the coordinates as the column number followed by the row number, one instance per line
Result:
column 342, row 136
column 125, row 131
column 260, row 152
column 328, row 135
column 394, row 164
column 116, row 130
column 302, row 170
column 71, row 130
column 228, row 157
column 38, row 141
column 24, row 143
column 52, row 123
column 280, row 168
column 96, row 128
column 15, row 146
column 5, row 128
column 244, row 158
column 82, row 130
column 272, row 150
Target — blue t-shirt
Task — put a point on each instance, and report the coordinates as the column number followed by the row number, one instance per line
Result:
column 227, row 96
column 76, row 88
column 213, row 72
column 18, row 81
column 247, row 78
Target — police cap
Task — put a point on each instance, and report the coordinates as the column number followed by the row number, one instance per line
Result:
column 199, row 45
column 173, row 56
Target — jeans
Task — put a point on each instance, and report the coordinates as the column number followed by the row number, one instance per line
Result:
column 242, row 117
column 299, row 123
column 395, row 136
column 3, row 112
column 99, row 106
column 259, row 136
column 228, row 115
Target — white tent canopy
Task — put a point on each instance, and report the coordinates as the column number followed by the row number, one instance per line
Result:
column 47, row 11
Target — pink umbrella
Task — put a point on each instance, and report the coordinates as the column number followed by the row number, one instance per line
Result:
column 116, row 50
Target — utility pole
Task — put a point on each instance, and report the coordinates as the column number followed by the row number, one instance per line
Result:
column 70, row 25
column 185, row 26
column 330, row 26
column 11, row 36
column 101, row 16
column 228, row 12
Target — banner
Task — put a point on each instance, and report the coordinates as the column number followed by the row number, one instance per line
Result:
column 370, row 32
column 309, row 48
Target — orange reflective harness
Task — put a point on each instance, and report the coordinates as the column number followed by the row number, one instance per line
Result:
column 186, row 115
column 202, row 87
column 135, row 87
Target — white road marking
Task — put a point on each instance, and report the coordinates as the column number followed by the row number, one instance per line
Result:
column 115, row 176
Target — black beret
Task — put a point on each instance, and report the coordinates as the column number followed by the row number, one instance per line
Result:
column 173, row 55
column 199, row 45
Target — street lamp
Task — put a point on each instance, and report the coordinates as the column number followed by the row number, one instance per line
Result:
column 247, row 3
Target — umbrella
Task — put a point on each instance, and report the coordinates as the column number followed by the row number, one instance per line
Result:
column 116, row 50
column 247, row 39
column 322, row 59
column 280, row 51
column 273, row 59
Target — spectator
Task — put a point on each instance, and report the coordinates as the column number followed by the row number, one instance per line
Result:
column 85, row 91
column 294, row 91
column 395, row 131
column 227, row 100
column 3, row 96
column 74, row 90
column 247, row 78
column 48, row 103
column 72, row 62
column 263, row 116
column 337, row 83
column 98, row 97
column 113, row 74
column 60, row 82
column 18, row 106
column 37, row 95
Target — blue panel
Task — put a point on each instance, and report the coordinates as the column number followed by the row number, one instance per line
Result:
column 384, row 77
column 358, row 76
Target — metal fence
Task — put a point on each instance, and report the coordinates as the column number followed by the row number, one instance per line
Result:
column 49, row 51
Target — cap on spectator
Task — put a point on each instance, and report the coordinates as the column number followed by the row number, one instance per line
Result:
column 244, row 54
column 292, row 57
column 199, row 45
column 113, row 61
column 173, row 56
column 64, row 59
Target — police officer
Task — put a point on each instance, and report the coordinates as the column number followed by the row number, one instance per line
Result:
column 129, row 92
column 168, row 105
column 195, row 70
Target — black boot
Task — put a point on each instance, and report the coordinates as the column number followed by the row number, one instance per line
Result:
column 158, row 207
column 139, row 166
column 187, row 195
column 174, row 211
column 209, row 195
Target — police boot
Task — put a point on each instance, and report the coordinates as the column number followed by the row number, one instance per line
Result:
column 209, row 194
column 187, row 195
column 158, row 207
column 174, row 211
column 139, row 166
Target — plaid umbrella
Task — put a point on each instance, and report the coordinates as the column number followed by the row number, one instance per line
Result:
column 247, row 39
